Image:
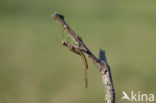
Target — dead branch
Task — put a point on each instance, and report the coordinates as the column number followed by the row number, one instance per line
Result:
column 101, row 62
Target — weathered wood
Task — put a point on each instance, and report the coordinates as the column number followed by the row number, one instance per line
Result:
column 100, row 63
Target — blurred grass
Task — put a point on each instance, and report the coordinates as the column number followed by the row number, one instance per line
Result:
column 35, row 68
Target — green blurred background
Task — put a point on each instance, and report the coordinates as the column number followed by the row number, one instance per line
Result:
column 35, row 68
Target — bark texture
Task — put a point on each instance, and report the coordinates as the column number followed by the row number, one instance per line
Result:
column 100, row 62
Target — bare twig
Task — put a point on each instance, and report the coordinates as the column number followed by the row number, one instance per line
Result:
column 101, row 62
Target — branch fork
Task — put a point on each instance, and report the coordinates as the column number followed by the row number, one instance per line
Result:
column 81, row 49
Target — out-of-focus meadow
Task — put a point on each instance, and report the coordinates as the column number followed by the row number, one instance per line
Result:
column 35, row 68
